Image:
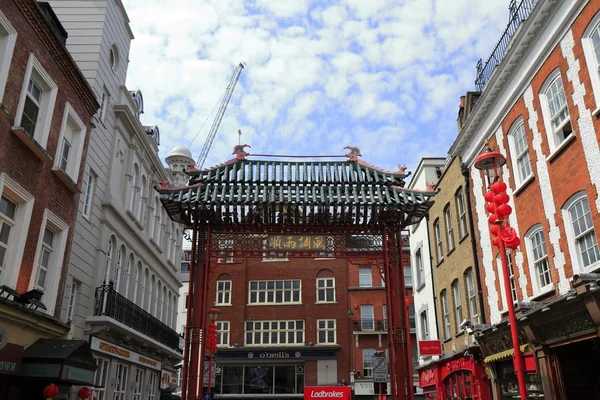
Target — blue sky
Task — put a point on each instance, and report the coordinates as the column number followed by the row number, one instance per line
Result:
column 382, row 75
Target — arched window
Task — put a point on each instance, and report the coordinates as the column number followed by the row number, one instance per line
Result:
column 449, row 228
column 555, row 110
column 325, row 286
column 116, row 278
column 445, row 314
column 168, row 249
column 109, row 259
column 174, row 315
column 519, row 150
column 159, row 306
column 136, row 284
column 126, row 281
column 537, row 254
column 134, row 186
column 154, row 296
column 472, row 296
column 157, row 221
column 581, row 235
column 145, row 292
column 140, row 212
column 163, row 305
column 176, row 244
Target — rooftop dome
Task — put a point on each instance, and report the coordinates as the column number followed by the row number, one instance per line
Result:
column 181, row 151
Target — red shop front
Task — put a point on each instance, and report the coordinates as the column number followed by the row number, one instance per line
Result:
column 455, row 378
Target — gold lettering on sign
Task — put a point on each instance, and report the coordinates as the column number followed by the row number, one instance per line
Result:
column 114, row 350
column 296, row 242
column 304, row 242
column 319, row 243
column 147, row 361
column 275, row 242
column 290, row 243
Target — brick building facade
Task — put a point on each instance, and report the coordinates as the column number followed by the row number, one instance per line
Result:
column 46, row 108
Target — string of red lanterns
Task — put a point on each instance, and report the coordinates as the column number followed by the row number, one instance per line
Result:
column 51, row 391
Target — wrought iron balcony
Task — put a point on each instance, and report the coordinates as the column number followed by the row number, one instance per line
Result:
column 114, row 305
column 518, row 14
column 370, row 325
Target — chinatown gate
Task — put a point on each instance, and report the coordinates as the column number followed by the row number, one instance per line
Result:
column 263, row 205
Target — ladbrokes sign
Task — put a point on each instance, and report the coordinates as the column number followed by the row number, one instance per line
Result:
column 327, row 392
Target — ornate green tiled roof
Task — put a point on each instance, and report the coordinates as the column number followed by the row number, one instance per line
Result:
column 244, row 191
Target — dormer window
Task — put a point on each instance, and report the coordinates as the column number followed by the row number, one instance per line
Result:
column 139, row 102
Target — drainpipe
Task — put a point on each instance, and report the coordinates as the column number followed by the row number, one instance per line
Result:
column 437, row 329
column 465, row 171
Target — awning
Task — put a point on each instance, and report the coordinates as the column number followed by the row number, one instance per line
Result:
column 505, row 354
column 66, row 361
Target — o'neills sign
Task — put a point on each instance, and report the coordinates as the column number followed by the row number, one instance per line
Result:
column 103, row 346
column 327, row 392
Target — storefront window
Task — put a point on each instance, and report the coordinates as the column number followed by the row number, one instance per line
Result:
column 510, row 386
column 458, row 386
column 235, row 380
column 260, row 379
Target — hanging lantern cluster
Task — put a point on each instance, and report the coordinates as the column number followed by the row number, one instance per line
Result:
column 497, row 206
column 211, row 337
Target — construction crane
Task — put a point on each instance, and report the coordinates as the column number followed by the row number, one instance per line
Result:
column 217, row 122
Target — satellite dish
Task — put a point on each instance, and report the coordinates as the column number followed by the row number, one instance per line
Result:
column 3, row 338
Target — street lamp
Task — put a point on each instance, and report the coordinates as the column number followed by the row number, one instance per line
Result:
column 490, row 162
column 211, row 345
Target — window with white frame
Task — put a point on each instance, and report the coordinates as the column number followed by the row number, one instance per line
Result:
column 73, row 298
column 103, row 104
column 461, row 210
column 511, row 276
column 538, row 258
column 555, row 110
column 140, row 211
column 90, row 187
column 274, row 332
column 275, row 292
column 70, row 148
column 419, row 272
column 101, row 379
column 138, row 387
column 424, row 325
column 134, row 187
column 449, row 228
column 519, row 148
column 368, row 362
column 325, row 290
column 591, row 47
column 365, row 277
column 49, row 258
column 8, row 38
column 367, row 317
column 326, row 331
column 152, row 385
column 16, row 206
column 385, row 316
column 122, row 380
column 225, row 251
column 408, row 279
column 223, row 293
column 36, row 104
column 119, row 265
column 457, row 304
column 581, row 235
column 272, row 255
column 445, row 314
column 472, row 295
column 222, row 333
column 438, row 240
column 412, row 323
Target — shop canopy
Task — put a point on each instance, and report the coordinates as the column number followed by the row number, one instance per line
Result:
column 326, row 193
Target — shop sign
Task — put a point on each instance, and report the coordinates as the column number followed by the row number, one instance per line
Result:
column 278, row 355
column 427, row 377
column 367, row 388
column 10, row 359
column 327, row 392
column 41, row 370
column 103, row 346
column 79, row 374
column 430, row 347
column 297, row 242
column 168, row 379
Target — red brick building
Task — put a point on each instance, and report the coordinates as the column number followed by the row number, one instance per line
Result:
column 46, row 108
column 539, row 108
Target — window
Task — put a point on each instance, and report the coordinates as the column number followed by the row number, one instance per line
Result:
column 368, row 362
column 462, row 213
column 513, row 288
column 408, row 279
column 186, row 301
column 449, row 228
column 134, row 188
column 275, row 292
column 103, row 104
column 555, row 110
column 274, row 332
column 49, row 258
column 8, row 38
column 222, row 333
column 8, row 211
column 411, row 318
column 142, row 201
column 471, row 294
column 438, row 240
column 420, row 274
column 152, row 385
column 113, row 58
column 538, row 257
column 367, row 317
column 519, row 148
column 139, row 384
column 225, row 256
column 326, row 331
column 325, row 290
column 90, row 186
column 365, row 277
column 424, row 324
column 223, row 293
column 70, row 150
column 101, row 379
column 445, row 314
column 72, row 299
column 185, row 266
column 384, row 310
column 583, row 243
column 457, row 304
column 121, row 380
column 36, row 104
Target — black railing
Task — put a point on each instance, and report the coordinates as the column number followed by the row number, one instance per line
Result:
column 518, row 14
column 112, row 304
column 370, row 325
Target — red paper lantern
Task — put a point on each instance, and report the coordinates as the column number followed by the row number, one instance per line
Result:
column 499, row 187
column 501, row 198
column 510, row 238
column 50, row 391
column 495, row 241
column 493, row 218
column 84, row 393
column 503, row 210
column 489, row 196
column 491, row 208
column 495, row 229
